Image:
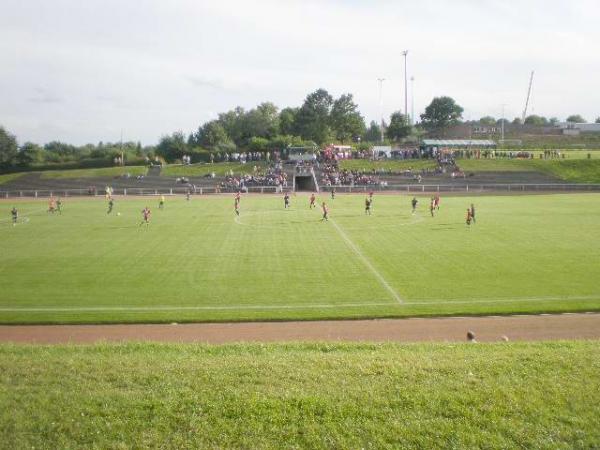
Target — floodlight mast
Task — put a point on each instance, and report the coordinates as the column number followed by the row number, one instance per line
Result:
column 412, row 100
column 528, row 96
column 381, row 80
column 405, row 53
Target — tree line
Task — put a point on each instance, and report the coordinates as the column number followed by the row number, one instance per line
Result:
column 319, row 120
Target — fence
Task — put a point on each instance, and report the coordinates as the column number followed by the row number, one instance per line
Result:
column 408, row 188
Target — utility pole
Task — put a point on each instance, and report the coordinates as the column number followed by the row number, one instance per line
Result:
column 502, row 140
column 405, row 53
column 381, row 80
column 412, row 100
column 121, row 145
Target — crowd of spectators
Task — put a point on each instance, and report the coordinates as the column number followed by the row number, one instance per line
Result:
column 334, row 176
column 272, row 176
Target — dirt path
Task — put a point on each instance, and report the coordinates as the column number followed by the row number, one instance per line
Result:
column 486, row 329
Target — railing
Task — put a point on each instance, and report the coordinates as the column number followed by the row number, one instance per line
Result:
column 408, row 188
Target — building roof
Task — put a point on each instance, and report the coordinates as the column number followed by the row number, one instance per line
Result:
column 459, row 143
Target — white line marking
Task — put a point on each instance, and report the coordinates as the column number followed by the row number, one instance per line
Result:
column 191, row 308
column 501, row 300
column 275, row 307
column 367, row 263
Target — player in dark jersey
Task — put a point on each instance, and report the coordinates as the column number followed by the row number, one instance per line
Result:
column 468, row 218
column 332, row 193
column 15, row 215
column 325, row 212
column 312, row 201
column 59, row 206
column 145, row 216
column 286, row 200
column 111, row 203
column 473, row 213
column 414, row 204
column 368, row 205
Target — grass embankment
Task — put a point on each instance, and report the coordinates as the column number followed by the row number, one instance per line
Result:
column 389, row 165
column 198, row 261
column 95, row 173
column 573, row 170
column 509, row 395
column 5, row 178
column 220, row 169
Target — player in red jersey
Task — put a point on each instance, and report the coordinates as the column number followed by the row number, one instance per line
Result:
column 146, row 216
column 325, row 212
column 437, row 201
column 312, row 201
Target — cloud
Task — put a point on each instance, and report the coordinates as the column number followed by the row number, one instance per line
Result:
column 203, row 82
column 43, row 96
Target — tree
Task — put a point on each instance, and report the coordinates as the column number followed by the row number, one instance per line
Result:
column 576, row 118
column 538, row 121
column 262, row 121
column 30, row 153
column 598, row 119
column 373, row 133
column 287, row 117
column 487, row 120
column 517, row 121
column 210, row 135
column 258, row 144
column 441, row 112
column 172, row 147
column 345, row 119
column 398, row 128
column 231, row 121
column 553, row 121
column 312, row 119
column 8, row 148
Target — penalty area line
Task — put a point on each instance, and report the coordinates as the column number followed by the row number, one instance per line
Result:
column 366, row 262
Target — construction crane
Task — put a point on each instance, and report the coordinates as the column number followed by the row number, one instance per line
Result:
column 528, row 96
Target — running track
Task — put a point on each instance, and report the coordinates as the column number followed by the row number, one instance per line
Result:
column 450, row 329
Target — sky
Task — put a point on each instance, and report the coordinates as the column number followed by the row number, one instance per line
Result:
column 87, row 71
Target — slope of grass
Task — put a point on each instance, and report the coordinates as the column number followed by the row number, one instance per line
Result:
column 220, row 169
column 5, row 178
column 198, row 261
column 388, row 165
column 95, row 173
column 542, row 395
column 574, row 170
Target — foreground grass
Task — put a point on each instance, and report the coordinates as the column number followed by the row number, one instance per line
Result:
column 5, row 178
column 574, row 170
column 387, row 165
column 198, row 262
column 220, row 169
column 517, row 395
column 95, row 173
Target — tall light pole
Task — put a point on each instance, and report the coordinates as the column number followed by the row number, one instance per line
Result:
column 405, row 53
column 502, row 128
column 381, row 80
column 412, row 100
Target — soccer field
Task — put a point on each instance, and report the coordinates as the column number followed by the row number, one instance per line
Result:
column 197, row 261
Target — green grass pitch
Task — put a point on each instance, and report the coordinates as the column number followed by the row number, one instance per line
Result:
column 197, row 262
column 317, row 396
